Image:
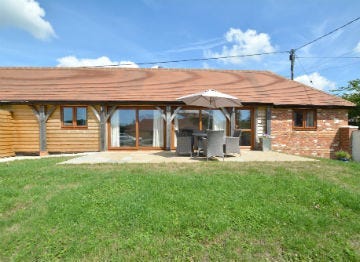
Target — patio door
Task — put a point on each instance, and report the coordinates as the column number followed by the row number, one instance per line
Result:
column 151, row 128
column 244, row 121
column 123, row 129
column 133, row 128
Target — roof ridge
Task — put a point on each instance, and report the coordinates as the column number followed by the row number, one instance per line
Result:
column 129, row 68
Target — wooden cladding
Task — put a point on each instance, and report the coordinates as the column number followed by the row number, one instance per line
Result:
column 25, row 132
column 6, row 134
column 72, row 139
column 26, row 129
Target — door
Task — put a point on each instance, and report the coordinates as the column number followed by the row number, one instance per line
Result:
column 133, row 128
column 243, row 121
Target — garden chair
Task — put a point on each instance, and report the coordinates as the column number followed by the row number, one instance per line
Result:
column 184, row 143
column 214, row 144
column 232, row 143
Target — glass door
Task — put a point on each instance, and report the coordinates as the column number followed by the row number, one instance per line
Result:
column 151, row 128
column 123, row 128
column 134, row 128
column 243, row 121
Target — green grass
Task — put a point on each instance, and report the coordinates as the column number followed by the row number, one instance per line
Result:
column 205, row 211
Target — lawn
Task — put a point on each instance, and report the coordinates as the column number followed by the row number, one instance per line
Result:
column 203, row 211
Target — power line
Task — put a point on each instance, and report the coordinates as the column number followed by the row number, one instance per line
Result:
column 195, row 59
column 333, row 31
column 331, row 57
column 306, row 73
column 327, row 60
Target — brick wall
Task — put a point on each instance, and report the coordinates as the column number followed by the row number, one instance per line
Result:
column 345, row 138
column 322, row 142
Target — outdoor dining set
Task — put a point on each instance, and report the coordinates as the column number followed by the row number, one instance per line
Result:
column 209, row 143
column 212, row 143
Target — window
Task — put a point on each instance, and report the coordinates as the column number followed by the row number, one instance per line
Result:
column 74, row 116
column 304, row 119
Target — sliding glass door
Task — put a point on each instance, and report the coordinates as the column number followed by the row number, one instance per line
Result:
column 123, row 128
column 134, row 128
column 151, row 128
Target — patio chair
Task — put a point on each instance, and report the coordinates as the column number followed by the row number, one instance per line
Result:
column 232, row 143
column 184, row 143
column 214, row 144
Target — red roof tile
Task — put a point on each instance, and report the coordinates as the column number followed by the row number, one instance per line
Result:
column 125, row 85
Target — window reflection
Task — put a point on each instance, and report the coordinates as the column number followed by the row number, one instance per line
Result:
column 68, row 116
column 213, row 119
column 187, row 119
column 81, row 116
column 151, row 128
column 243, row 119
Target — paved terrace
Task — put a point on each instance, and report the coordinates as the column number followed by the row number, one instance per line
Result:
column 166, row 156
column 161, row 157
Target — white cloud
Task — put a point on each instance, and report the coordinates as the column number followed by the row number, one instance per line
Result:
column 72, row 61
column 26, row 15
column 357, row 48
column 243, row 43
column 128, row 64
column 316, row 80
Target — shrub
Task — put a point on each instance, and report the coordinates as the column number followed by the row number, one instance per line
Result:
column 342, row 155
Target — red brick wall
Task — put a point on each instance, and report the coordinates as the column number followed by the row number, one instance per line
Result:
column 345, row 138
column 322, row 142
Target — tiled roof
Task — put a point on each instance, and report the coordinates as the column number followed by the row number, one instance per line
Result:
column 161, row 85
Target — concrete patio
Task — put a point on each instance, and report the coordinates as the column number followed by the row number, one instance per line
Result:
column 166, row 156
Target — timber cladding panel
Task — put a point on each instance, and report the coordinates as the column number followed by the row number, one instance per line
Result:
column 26, row 129
column 72, row 139
column 6, row 134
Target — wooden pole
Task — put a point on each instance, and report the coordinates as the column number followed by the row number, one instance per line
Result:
column 268, row 120
column 292, row 60
column 103, row 120
column 168, row 127
column 42, row 128
column 232, row 121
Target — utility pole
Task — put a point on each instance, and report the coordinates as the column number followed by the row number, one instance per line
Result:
column 292, row 60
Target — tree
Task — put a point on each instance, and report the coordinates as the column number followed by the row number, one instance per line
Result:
column 351, row 92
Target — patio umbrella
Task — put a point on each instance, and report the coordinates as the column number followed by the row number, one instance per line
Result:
column 211, row 99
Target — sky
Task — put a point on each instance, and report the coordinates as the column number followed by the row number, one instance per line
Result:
column 129, row 33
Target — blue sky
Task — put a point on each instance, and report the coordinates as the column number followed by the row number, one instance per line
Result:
column 127, row 32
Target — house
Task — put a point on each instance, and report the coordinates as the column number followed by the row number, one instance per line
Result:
column 48, row 110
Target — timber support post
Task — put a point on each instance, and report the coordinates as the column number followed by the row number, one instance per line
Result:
column 103, row 116
column 102, row 113
column 268, row 121
column 42, row 128
column 169, row 118
column 42, row 115
column 168, row 128
column 232, row 121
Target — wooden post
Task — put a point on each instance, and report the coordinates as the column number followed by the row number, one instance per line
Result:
column 292, row 60
column 232, row 121
column 103, row 120
column 103, row 116
column 42, row 128
column 42, row 116
column 168, row 128
column 268, row 120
